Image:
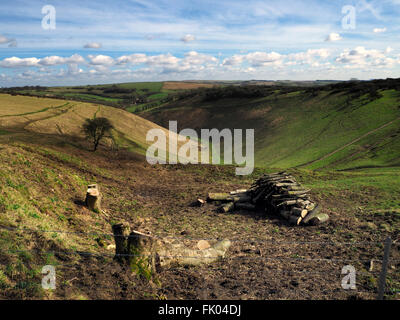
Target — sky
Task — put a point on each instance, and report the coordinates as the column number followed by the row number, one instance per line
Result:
column 73, row 42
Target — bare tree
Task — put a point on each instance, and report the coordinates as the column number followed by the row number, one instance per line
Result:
column 95, row 129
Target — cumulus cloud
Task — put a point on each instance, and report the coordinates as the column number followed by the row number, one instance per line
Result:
column 56, row 60
column 255, row 59
column 192, row 62
column 195, row 58
column 188, row 38
column 333, row 37
column 309, row 56
column 136, row 58
column 360, row 56
column 199, row 65
column 262, row 59
column 93, row 45
column 233, row 61
column 100, row 60
column 162, row 60
column 15, row 62
column 379, row 30
column 265, row 59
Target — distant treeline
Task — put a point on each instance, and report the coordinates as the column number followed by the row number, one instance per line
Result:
column 130, row 97
column 16, row 89
column 353, row 88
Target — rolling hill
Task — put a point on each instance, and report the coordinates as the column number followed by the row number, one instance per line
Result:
column 338, row 126
column 65, row 118
column 45, row 168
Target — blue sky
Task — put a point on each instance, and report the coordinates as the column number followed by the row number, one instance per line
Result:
column 120, row 41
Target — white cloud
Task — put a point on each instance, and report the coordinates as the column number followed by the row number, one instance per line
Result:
column 333, row 37
column 15, row 62
column 233, row 61
column 379, row 30
column 310, row 64
column 136, row 58
column 93, row 45
column 262, row 59
column 100, row 60
column 162, row 60
column 195, row 58
column 309, row 56
column 359, row 57
column 56, row 60
column 188, row 38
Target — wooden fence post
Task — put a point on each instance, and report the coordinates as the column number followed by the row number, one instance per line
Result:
column 385, row 262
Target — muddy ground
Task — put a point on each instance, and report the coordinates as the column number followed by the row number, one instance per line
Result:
column 268, row 259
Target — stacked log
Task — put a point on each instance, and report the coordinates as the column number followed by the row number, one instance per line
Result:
column 277, row 193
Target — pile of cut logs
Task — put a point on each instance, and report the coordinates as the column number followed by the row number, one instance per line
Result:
column 277, row 193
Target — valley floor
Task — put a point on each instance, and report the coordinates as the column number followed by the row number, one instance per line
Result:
column 43, row 181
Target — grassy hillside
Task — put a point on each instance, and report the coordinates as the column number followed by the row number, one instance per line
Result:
column 65, row 118
column 327, row 127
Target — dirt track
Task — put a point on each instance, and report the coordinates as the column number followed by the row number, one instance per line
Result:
column 351, row 142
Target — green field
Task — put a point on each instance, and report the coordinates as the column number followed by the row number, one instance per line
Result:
column 122, row 95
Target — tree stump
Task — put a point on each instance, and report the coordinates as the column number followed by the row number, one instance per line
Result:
column 121, row 233
column 146, row 255
column 93, row 198
column 142, row 254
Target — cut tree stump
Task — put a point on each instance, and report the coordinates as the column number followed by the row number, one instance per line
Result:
column 121, row 233
column 142, row 254
column 93, row 198
column 146, row 254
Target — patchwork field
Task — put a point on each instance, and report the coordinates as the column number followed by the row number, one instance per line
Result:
column 176, row 85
